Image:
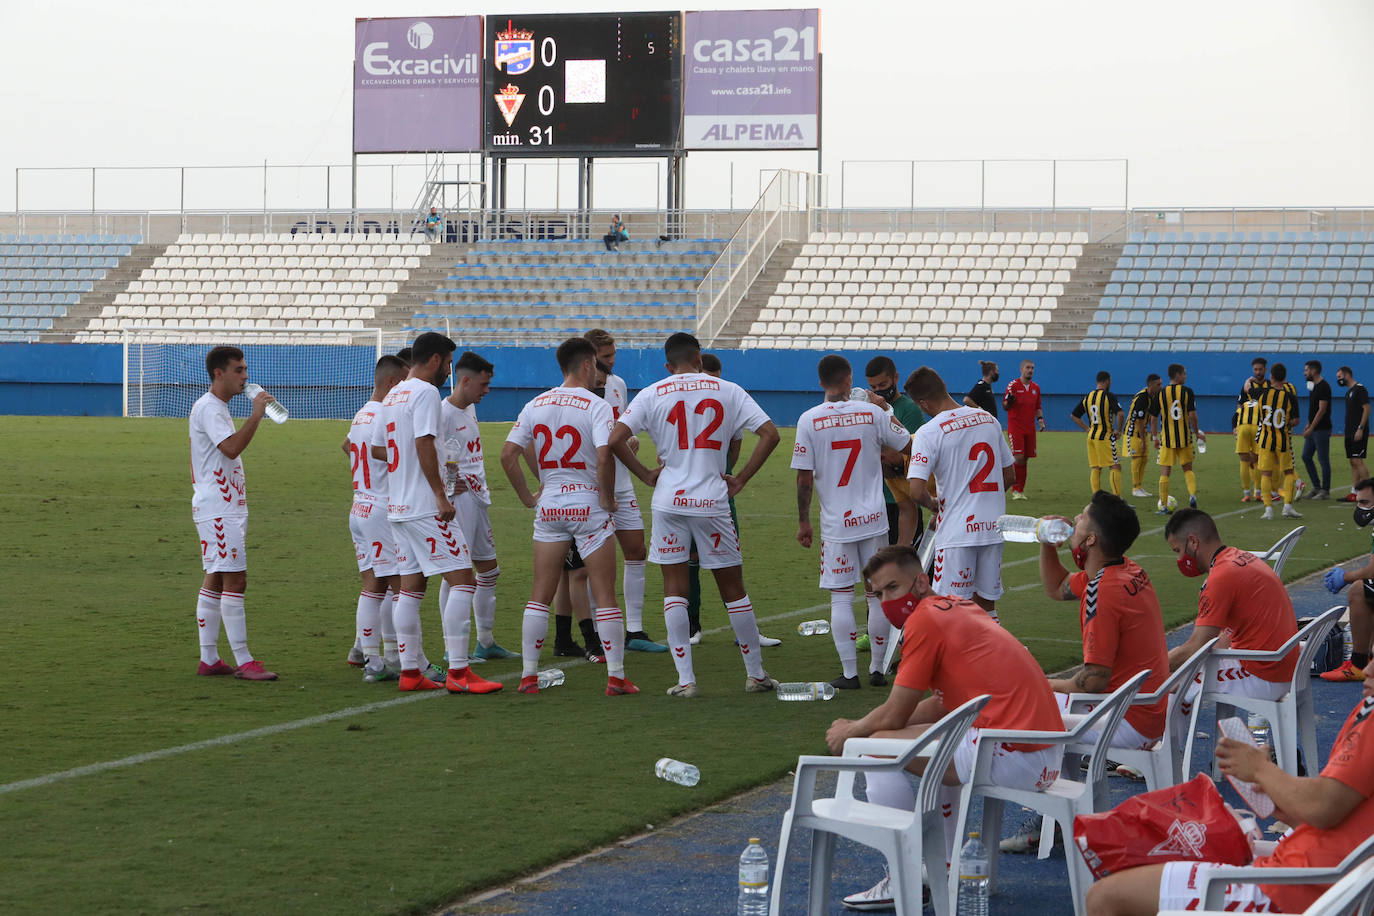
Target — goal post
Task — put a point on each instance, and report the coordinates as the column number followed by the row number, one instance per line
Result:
column 316, row 373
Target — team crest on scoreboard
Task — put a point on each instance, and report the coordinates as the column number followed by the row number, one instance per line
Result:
column 514, row 51
column 509, row 100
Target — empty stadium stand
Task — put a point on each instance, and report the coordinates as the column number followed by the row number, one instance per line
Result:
column 941, row 291
column 540, row 292
column 43, row 276
column 1239, row 291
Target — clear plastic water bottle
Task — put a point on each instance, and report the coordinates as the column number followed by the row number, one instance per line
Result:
column 800, row 690
column 550, row 677
column 973, row 878
column 684, row 774
column 451, row 447
column 275, row 411
column 753, row 880
column 858, row 394
column 1026, row 530
column 1201, row 446
column 813, row 627
column 1259, row 728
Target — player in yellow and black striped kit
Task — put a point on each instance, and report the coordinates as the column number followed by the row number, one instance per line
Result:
column 1142, row 419
column 1104, row 414
column 1246, row 422
column 1277, row 408
column 1178, row 430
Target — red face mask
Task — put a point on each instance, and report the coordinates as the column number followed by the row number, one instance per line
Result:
column 1080, row 555
column 1188, row 566
column 897, row 610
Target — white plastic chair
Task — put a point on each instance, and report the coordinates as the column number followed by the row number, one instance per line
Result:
column 1291, row 718
column 906, row 838
column 1161, row 765
column 1061, row 802
column 1277, row 555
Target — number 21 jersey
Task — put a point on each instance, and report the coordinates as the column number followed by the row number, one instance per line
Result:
column 965, row 451
column 692, row 418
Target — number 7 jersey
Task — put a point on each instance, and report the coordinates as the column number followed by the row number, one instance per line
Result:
column 692, row 418
column 841, row 443
column 965, row 451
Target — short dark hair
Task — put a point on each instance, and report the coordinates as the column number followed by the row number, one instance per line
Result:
column 1258, row 361
column 1104, row 376
column 388, row 366
column 1278, row 372
column 405, row 355
column 471, row 362
column 906, row 557
column 600, row 338
column 710, row 362
column 1173, row 370
column 573, row 351
column 1117, row 524
column 1314, row 364
column 832, row 369
column 220, row 358
column 681, row 348
column 1152, row 377
column 1347, row 370
column 429, row 345
column 1190, row 521
column 1365, row 484
column 880, row 365
column 925, row 384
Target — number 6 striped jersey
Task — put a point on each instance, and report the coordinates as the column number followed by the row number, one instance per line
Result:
column 841, row 443
column 965, row 451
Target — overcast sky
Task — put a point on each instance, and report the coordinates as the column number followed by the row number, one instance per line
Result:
column 1213, row 102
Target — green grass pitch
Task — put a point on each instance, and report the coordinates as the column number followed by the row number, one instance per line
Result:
column 407, row 806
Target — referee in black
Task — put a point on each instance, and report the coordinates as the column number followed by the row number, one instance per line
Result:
column 980, row 395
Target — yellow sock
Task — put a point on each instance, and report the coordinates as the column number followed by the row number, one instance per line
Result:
column 1266, row 490
column 1191, row 480
column 1095, row 478
column 1247, row 480
column 1290, row 487
column 1164, row 491
column 1138, row 471
column 1116, row 481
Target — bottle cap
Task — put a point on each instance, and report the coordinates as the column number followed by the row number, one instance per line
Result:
column 973, row 833
column 753, row 839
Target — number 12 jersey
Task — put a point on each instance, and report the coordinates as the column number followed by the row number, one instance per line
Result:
column 965, row 451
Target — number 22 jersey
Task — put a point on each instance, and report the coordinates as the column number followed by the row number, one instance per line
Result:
column 567, row 426
column 965, row 451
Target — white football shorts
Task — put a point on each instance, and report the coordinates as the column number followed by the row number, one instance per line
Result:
column 374, row 543
column 1032, row 771
column 627, row 517
column 429, row 546
column 715, row 538
column 588, row 527
column 1233, row 678
column 1180, row 888
column 223, row 544
column 968, row 571
column 476, row 524
column 842, row 563
column 1126, row 737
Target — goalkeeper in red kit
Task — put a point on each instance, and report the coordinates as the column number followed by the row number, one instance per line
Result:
column 1024, row 417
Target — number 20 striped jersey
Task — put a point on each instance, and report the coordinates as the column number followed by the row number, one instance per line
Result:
column 841, row 443
column 965, row 451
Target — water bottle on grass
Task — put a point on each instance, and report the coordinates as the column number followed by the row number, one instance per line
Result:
column 550, row 677
column 819, row 690
column 973, row 878
column 813, row 627
column 753, row 880
column 684, row 774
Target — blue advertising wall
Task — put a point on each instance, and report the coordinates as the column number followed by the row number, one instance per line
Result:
column 86, row 379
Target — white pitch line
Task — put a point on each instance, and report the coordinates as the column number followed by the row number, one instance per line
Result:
column 91, row 769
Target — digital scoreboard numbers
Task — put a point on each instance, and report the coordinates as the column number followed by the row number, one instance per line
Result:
column 558, row 84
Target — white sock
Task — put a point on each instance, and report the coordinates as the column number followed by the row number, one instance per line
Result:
column 235, row 626
column 484, row 606
column 746, row 629
column 533, row 629
column 891, row 790
column 949, row 807
column 610, row 628
column 634, row 595
column 406, row 614
column 369, row 623
column 843, row 630
column 879, row 630
column 207, row 623
column 679, row 637
column 388, row 610
column 457, row 625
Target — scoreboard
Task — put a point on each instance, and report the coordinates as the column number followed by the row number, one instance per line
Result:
column 587, row 83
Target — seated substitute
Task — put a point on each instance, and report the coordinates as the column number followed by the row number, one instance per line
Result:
column 1361, row 599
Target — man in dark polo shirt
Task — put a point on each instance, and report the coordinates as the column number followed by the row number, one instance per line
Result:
column 980, row 395
column 1316, row 436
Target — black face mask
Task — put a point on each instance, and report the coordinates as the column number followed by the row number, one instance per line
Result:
column 1341, row 382
column 600, row 392
column 996, row 376
column 887, row 394
column 1364, row 516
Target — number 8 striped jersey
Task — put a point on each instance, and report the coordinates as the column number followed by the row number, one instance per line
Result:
column 841, row 443
column 965, row 451
column 692, row 418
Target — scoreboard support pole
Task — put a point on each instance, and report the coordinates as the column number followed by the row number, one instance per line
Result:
column 676, row 193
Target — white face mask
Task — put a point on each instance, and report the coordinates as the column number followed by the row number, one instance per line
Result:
column 1311, row 384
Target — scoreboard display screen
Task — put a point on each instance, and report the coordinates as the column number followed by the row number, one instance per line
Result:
column 558, row 84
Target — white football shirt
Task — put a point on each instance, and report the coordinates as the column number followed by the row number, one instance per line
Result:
column 965, row 451
column 460, row 423
column 369, row 474
column 409, row 412
column 841, row 443
column 219, row 490
column 618, row 396
column 567, row 426
column 692, row 418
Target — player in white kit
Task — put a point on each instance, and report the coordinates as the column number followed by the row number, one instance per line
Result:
column 964, row 449
column 629, row 524
column 839, row 454
column 428, row 542
column 692, row 417
column 219, row 508
column 373, row 543
column 569, row 428
column 465, row 477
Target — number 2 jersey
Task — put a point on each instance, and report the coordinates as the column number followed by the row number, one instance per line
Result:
column 369, row 474
column 567, row 426
column 965, row 451
column 692, row 418
column 841, row 443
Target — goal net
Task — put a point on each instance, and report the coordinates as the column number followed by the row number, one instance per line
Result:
column 318, row 373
